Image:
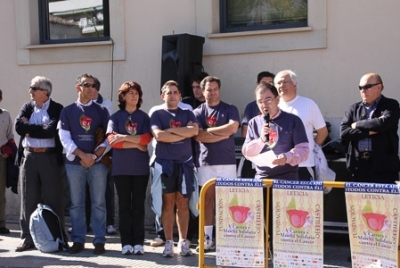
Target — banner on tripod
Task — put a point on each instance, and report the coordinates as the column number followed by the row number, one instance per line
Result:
column 297, row 221
column 239, row 222
column 373, row 220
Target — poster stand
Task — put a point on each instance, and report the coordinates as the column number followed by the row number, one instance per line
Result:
column 267, row 183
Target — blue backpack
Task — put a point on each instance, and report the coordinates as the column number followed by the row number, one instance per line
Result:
column 46, row 230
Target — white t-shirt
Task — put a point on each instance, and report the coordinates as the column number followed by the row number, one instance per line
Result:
column 312, row 118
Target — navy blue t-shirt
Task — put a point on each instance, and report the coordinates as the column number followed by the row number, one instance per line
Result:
column 129, row 161
column 163, row 119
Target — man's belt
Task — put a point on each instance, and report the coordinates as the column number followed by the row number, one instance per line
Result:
column 365, row 155
column 40, row 150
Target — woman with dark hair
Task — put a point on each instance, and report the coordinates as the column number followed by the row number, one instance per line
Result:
column 128, row 134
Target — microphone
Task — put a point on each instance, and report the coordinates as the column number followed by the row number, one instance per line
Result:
column 266, row 119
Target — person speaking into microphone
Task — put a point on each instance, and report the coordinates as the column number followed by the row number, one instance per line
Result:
column 277, row 131
column 266, row 119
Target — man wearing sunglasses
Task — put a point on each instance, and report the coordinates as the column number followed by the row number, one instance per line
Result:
column 370, row 127
column 39, row 155
column 77, row 129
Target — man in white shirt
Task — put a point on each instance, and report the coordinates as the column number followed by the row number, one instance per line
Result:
column 308, row 111
column 36, row 124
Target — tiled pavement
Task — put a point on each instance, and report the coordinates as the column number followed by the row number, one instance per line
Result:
column 335, row 255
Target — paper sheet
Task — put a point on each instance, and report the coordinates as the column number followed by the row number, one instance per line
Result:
column 264, row 159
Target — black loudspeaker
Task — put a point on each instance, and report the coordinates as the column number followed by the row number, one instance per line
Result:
column 181, row 58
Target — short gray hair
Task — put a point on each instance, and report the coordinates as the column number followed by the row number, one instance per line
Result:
column 43, row 83
column 292, row 75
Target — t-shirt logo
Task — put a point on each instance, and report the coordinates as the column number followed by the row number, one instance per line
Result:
column 173, row 123
column 131, row 127
column 211, row 121
column 85, row 122
column 273, row 137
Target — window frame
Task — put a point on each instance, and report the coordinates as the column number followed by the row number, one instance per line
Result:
column 223, row 16
column 44, row 31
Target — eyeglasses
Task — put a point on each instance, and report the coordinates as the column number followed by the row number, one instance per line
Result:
column 33, row 88
column 367, row 86
column 88, row 85
column 266, row 101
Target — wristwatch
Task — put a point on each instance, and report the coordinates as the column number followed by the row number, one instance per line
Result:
column 94, row 156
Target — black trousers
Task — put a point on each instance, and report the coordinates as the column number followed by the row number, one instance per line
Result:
column 364, row 173
column 131, row 192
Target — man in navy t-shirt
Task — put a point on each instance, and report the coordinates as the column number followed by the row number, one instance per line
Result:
column 77, row 129
column 218, row 122
column 251, row 109
column 173, row 127
column 284, row 135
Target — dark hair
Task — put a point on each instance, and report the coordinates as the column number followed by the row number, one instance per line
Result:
column 124, row 89
column 209, row 79
column 263, row 87
column 1, row 94
column 263, row 74
column 198, row 77
column 168, row 84
column 97, row 83
column 79, row 78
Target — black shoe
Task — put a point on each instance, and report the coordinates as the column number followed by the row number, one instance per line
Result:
column 24, row 247
column 4, row 230
column 76, row 248
column 99, row 248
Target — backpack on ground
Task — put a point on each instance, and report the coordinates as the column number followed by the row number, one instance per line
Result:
column 46, row 230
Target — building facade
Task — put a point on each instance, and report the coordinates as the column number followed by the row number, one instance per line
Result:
column 340, row 42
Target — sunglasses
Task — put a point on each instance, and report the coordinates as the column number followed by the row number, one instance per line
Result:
column 367, row 86
column 35, row 88
column 88, row 85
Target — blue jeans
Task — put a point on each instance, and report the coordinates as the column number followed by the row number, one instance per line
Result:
column 96, row 178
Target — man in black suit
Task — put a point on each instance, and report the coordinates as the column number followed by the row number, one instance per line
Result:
column 40, row 156
column 370, row 127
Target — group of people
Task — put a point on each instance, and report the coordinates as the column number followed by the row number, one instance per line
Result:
column 193, row 141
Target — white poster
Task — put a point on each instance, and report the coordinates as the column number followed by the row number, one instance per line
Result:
column 239, row 222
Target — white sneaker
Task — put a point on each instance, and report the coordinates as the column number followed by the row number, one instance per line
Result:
column 127, row 250
column 157, row 242
column 169, row 249
column 111, row 230
column 138, row 250
column 184, row 248
column 209, row 244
